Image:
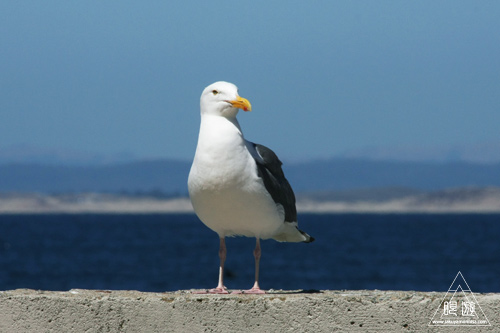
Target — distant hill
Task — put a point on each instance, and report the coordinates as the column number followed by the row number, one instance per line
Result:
column 166, row 175
column 341, row 174
column 170, row 176
column 29, row 154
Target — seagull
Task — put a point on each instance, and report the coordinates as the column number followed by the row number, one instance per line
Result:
column 237, row 187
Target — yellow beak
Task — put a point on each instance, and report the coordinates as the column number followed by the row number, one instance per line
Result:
column 241, row 103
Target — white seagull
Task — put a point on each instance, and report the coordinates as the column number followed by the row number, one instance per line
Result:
column 237, row 187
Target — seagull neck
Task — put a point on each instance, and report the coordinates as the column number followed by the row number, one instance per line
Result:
column 221, row 120
column 235, row 122
column 219, row 136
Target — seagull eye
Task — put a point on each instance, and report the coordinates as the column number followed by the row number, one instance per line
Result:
column 215, row 92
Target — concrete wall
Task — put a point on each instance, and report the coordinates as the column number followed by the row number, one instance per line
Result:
column 279, row 311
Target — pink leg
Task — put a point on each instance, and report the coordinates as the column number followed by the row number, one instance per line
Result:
column 222, row 256
column 256, row 289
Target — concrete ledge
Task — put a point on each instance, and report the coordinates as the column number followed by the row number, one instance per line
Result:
column 26, row 310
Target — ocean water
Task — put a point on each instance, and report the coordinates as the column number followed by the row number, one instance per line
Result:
column 165, row 252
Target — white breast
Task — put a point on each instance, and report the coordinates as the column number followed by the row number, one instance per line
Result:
column 225, row 190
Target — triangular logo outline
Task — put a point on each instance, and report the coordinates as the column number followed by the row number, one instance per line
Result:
column 447, row 302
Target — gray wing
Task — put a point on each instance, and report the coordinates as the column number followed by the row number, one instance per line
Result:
column 269, row 169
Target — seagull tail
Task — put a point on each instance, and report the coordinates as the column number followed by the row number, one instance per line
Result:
column 309, row 239
column 291, row 233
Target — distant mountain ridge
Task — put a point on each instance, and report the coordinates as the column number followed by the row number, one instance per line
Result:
column 476, row 152
column 342, row 174
column 28, row 154
column 170, row 176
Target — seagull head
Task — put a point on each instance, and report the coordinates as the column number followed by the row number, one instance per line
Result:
column 222, row 99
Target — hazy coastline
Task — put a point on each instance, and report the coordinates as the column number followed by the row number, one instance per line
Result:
column 457, row 200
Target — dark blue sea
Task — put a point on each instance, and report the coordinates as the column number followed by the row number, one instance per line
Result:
column 166, row 252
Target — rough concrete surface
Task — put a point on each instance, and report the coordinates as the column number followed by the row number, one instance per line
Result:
column 26, row 310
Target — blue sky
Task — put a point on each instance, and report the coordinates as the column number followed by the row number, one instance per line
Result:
column 324, row 78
